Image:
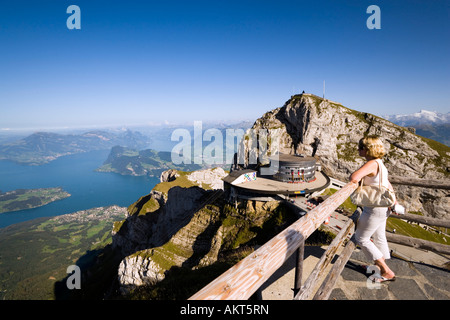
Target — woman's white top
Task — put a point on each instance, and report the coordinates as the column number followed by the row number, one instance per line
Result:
column 375, row 180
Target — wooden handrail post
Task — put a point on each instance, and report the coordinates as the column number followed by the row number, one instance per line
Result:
column 300, row 254
column 322, row 264
column 324, row 291
column 244, row 278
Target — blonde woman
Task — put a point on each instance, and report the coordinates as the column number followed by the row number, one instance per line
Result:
column 372, row 223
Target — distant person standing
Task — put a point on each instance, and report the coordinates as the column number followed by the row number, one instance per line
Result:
column 372, row 222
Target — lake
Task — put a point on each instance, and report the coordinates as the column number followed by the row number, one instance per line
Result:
column 76, row 175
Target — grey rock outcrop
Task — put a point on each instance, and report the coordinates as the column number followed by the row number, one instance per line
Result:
column 169, row 175
column 153, row 219
column 211, row 177
column 196, row 244
column 307, row 124
column 136, row 271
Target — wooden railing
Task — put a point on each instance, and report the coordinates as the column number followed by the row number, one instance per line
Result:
column 424, row 183
column 325, row 289
column 419, row 243
column 243, row 279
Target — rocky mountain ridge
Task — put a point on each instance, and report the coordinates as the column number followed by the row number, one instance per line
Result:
column 187, row 227
column 308, row 124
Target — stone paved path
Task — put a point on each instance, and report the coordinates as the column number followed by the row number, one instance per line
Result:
column 414, row 280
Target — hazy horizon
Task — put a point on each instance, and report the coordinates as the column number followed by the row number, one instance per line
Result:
column 155, row 124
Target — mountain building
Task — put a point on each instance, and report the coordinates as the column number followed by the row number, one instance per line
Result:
column 295, row 168
column 295, row 175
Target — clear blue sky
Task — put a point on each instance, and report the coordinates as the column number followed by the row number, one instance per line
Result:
column 137, row 62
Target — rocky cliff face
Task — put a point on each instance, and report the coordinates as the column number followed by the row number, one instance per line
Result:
column 191, row 239
column 187, row 227
column 311, row 125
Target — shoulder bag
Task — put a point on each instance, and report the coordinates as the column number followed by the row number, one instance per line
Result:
column 373, row 196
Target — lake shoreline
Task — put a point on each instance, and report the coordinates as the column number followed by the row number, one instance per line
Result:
column 76, row 175
column 24, row 199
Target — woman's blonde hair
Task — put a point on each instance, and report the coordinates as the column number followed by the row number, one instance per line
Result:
column 373, row 145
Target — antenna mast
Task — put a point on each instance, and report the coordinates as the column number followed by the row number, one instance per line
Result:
column 324, row 89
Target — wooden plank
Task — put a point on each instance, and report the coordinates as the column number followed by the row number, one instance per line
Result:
column 326, row 258
column 418, row 243
column 324, row 291
column 422, row 219
column 424, row 183
column 244, row 278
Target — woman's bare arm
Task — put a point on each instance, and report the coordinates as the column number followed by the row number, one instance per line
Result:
column 370, row 168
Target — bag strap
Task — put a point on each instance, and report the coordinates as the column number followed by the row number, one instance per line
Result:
column 380, row 170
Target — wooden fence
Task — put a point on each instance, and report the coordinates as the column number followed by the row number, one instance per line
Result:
column 244, row 279
column 419, row 243
column 424, row 183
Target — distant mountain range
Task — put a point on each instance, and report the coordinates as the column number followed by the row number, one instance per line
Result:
column 43, row 147
column 419, row 118
column 127, row 161
column 429, row 124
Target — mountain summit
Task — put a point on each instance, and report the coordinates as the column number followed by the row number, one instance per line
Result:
column 307, row 124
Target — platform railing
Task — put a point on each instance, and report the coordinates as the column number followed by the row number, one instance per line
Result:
column 242, row 280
